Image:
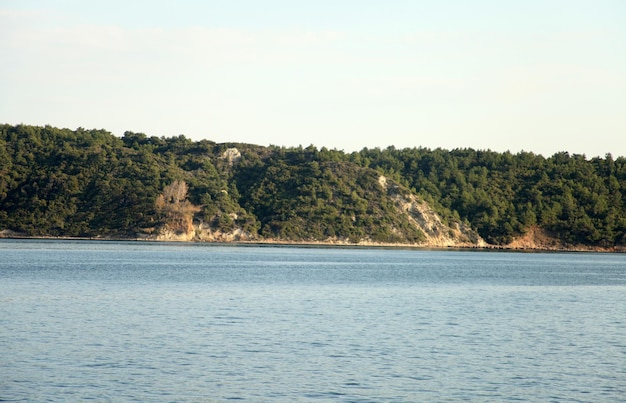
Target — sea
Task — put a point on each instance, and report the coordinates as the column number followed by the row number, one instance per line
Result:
column 116, row 321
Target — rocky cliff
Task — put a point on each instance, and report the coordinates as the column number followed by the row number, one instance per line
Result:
column 424, row 217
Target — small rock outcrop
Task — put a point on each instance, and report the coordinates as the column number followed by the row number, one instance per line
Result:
column 231, row 156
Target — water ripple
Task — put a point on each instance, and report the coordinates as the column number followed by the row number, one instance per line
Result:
column 172, row 326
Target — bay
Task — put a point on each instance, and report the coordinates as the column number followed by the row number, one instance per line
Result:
column 133, row 321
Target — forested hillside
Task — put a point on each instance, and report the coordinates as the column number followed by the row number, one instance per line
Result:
column 90, row 183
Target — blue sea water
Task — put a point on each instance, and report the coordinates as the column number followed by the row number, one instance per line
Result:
column 131, row 321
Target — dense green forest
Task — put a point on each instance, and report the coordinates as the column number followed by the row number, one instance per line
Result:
column 90, row 183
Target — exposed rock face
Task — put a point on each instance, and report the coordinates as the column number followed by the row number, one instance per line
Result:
column 422, row 215
column 537, row 238
column 201, row 232
column 7, row 233
column 178, row 211
column 168, row 235
column 231, row 156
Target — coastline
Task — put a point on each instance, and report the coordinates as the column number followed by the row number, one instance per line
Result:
column 11, row 235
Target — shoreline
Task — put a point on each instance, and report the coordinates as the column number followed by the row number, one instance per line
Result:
column 325, row 244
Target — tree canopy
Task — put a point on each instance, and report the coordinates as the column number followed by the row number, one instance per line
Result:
column 61, row 182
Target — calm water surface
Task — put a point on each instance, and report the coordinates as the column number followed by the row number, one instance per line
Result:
column 127, row 321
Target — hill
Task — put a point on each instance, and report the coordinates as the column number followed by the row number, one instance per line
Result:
column 90, row 183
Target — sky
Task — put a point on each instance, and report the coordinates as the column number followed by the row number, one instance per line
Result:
column 540, row 76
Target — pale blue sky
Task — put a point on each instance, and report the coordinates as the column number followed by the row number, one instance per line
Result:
column 541, row 76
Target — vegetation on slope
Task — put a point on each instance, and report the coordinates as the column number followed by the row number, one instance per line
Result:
column 502, row 194
column 89, row 183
